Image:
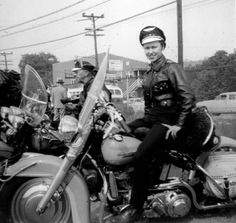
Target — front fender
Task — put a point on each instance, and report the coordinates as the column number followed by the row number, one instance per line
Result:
column 226, row 141
column 39, row 165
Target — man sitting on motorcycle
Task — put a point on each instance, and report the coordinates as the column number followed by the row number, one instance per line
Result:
column 168, row 102
column 85, row 75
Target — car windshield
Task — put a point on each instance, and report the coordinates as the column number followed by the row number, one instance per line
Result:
column 223, row 97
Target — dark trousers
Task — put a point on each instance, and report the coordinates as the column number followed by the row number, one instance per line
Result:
column 152, row 146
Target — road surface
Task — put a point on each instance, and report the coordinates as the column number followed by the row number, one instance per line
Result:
column 227, row 215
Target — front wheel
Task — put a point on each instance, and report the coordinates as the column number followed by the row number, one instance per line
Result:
column 22, row 208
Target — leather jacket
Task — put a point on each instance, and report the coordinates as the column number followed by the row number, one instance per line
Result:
column 83, row 94
column 166, row 91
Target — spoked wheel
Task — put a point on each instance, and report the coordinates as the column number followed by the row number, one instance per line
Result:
column 26, row 199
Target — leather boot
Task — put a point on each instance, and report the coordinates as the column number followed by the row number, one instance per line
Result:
column 130, row 215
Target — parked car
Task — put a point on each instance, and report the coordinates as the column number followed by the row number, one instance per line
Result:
column 73, row 92
column 223, row 103
column 116, row 93
column 136, row 103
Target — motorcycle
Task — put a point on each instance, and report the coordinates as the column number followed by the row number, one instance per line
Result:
column 25, row 134
column 18, row 134
column 98, row 167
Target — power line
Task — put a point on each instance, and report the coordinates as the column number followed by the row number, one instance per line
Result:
column 55, row 20
column 82, row 33
column 200, row 3
column 45, row 42
column 43, row 16
column 138, row 14
column 78, row 34
column 194, row 5
column 73, row 14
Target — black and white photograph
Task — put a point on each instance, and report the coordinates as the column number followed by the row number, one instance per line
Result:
column 118, row 111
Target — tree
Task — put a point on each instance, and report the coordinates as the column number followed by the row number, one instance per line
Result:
column 215, row 75
column 42, row 63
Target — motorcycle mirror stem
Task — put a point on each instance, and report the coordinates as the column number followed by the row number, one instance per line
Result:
column 77, row 146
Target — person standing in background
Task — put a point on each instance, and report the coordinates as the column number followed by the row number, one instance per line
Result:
column 59, row 92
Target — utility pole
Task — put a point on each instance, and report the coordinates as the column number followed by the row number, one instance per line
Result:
column 180, row 32
column 93, row 17
column 6, row 62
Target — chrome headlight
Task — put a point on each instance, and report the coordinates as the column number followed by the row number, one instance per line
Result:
column 68, row 124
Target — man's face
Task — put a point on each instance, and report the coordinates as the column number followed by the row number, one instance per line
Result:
column 81, row 76
column 153, row 50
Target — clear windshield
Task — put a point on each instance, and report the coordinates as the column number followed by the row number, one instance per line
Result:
column 34, row 96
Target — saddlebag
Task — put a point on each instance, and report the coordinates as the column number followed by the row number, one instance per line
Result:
column 198, row 133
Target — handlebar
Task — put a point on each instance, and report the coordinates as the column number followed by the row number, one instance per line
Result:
column 70, row 100
column 120, row 118
column 125, row 126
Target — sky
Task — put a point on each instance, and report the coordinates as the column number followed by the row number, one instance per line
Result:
column 208, row 26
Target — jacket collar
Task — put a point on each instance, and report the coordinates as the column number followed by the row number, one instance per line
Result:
column 88, row 83
column 158, row 64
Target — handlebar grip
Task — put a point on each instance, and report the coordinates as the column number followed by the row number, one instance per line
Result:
column 125, row 126
column 65, row 100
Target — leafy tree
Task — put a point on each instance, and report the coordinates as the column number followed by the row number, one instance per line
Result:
column 42, row 63
column 215, row 75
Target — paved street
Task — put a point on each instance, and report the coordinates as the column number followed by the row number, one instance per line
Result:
column 227, row 215
column 213, row 216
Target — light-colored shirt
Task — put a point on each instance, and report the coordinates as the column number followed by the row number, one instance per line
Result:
column 58, row 93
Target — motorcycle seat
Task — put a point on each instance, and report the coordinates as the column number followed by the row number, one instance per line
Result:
column 195, row 137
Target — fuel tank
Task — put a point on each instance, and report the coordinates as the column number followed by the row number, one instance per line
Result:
column 119, row 149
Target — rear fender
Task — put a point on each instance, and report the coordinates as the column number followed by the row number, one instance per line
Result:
column 224, row 142
column 38, row 165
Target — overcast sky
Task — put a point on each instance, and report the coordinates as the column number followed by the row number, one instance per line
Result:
column 208, row 26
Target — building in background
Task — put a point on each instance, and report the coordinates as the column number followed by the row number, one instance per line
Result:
column 122, row 71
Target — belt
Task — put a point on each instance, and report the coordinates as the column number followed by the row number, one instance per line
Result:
column 164, row 96
column 165, row 103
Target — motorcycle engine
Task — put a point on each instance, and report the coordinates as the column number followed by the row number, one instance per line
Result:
column 170, row 203
column 91, row 179
column 221, row 166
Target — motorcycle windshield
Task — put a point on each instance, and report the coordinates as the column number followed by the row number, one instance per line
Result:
column 34, row 96
column 94, row 93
